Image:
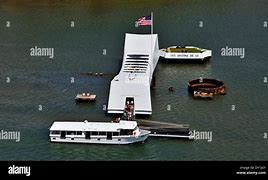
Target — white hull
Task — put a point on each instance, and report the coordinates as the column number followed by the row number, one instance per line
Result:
column 204, row 55
column 129, row 139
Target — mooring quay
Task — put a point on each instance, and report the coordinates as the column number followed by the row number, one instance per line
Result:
column 166, row 129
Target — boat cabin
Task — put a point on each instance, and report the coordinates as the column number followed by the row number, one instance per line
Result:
column 123, row 132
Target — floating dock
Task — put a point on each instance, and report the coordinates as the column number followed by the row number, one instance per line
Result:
column 165, row 129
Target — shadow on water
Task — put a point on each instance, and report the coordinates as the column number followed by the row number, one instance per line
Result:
column 182, row 61
column 85, row 104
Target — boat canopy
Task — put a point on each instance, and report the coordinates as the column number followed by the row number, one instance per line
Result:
column 92, row 126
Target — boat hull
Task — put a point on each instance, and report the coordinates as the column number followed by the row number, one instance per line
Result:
column 85, row 100
column 102, row 139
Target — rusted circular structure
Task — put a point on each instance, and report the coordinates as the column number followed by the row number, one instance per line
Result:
column 207, row 86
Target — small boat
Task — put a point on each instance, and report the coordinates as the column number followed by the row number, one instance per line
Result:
column 203, row 95
column 122, row 132
column 85, row 97
column 185, row 54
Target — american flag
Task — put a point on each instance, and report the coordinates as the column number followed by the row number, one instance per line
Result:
column 144, row 21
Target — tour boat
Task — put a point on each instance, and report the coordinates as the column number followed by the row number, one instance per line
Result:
column 122, row 132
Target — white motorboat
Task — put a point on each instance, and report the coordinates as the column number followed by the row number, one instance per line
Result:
column 122, row 132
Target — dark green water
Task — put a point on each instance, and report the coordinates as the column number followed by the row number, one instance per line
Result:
column 237, row 135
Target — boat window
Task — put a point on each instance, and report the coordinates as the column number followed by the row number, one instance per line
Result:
column 94, row 133
column 87, row 134
column 109, row 136
column 55, row 132
column 126, row 132
column 102, row 133
column 79, row 132
column 63, row 134
column 115, row 133
column 71, row 132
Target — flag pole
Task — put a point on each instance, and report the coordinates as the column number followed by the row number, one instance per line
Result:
column 152, row 26
column 152, row 31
